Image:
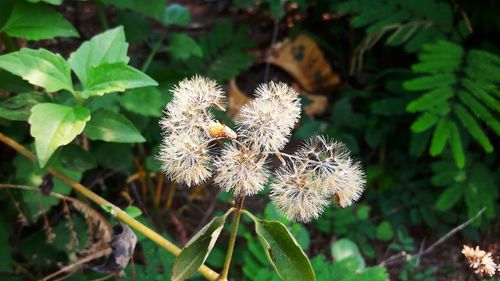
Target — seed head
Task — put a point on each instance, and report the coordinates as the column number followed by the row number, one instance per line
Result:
column 267, row 122
column 241, row 170
column 296, row 194
column 481, row 261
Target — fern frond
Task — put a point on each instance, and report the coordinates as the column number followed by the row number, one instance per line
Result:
column 459, row 81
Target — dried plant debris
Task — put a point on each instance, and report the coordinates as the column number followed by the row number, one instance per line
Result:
column 480, row 261
column 122, row 244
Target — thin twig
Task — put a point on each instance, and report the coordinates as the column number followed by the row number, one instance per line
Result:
column 397, row 257
column 76, row 265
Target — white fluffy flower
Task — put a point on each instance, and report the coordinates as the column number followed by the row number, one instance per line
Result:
column 241, row 170
column 267, row 122
column 186, row 158
column 295, row 193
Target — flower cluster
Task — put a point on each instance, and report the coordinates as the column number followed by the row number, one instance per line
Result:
column 481, row 261
column 320, row 173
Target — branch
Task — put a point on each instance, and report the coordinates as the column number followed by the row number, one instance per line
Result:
column 207, row 272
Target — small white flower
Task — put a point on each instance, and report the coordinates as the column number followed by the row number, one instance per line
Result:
column 267, row 122
column 241, row 170
column 481, row 261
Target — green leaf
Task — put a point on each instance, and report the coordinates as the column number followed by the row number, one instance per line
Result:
column 133, row 211
column 346, row 249
column 456, row 145
column 449, row 197
column 146, row 101
column 283, row 251
column 19, row 106
column 473, row 128
column 384, row 231
column 480, row 111
column 40, row 68
column 196, row 251
column 107, row 47
column 53, row 125
column 183, row 46
column 74, row 157
column 53, row 2
column 36, row 22
column 111, row 126
column 430, row 99
column 439, row 137
column 176, row 14
column 114, row 77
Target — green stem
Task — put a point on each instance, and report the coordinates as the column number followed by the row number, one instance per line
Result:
column 232, row 239
column 152, row 54
column 102, row 15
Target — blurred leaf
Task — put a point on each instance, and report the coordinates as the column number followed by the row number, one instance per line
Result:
column 151, row 8
column 384, row 231
column 133, row 211
column 112, row 127
column 137, row 27
column 19, row 106
column 183, row 46
column 176, row 14
column 39, row 67
column 283, row 251
column 36, row 22
column 345, row 249
column 53, row 125
column 449, row 197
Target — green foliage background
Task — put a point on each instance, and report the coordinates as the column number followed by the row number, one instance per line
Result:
column 419, row 106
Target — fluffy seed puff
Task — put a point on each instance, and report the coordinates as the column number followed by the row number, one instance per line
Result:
column 267, row 122
column 481, row 261
column 241, row 170
column 185, row 149
column 321, row 172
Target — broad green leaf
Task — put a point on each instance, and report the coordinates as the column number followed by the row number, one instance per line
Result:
column 283, row 251
column 147, row 101
column 183, row 46
column 345, row 249
column 39, row 67
column 176, row 14
column 456, row 145
column 111, row 126
column 19, row 106
column 107, row 47
column 152, row 8
column 196, row 251
column 449, row 197
column 133, row 211
column 114, row 77
column 54, row 125
column 472, row 127
column 36, row 22
column 439, row 137
column 6, row 7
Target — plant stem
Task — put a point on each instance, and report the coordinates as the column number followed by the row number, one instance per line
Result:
column 102, row 15
column 207, row 272
column 232, row 238
column 152, row 54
